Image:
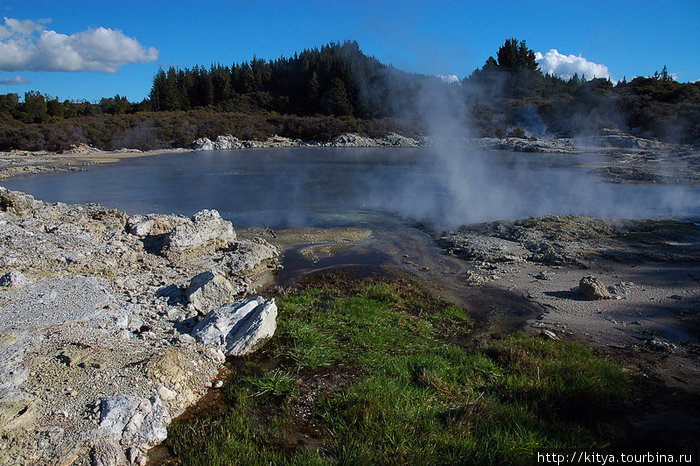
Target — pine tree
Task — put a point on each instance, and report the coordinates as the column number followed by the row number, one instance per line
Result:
column 339, row 104
column 313, row 91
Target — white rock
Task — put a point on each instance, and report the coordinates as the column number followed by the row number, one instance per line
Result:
column 165, row 393
column 203, row 144
column 240, row 327
column 549, row 334
column 208, row 291
column 216, row 355
column 133, row 420
column 121, row 320
column 206, row 232
column 139, row 225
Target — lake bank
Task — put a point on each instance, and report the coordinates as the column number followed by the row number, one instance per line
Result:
column 628, row 159
column 121, row 290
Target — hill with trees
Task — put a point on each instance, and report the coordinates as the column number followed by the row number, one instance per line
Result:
column 322, row 92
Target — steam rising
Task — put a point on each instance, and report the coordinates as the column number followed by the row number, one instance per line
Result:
column 458, row 184
column 447, row 184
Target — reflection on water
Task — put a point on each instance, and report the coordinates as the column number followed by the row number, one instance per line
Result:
column 341, row 186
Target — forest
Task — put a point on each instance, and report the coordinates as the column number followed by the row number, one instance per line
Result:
column 320, row 93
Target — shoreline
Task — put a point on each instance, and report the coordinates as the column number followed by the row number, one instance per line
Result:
column 25, row 163
column 625, row 158
column 117, row 286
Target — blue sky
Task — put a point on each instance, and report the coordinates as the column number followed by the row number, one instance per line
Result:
column 115, row 47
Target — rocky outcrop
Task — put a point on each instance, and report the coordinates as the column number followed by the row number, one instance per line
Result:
column 204, row 234
column 239, row 327
column 356, row 140
column 616, row 139
column 80, row 149
column 546, row 145
column 154, row 224
column 552, row 240
column 246, row 256
column 590, row 288
column 105, row 314
column 18, row 203
column 208, row 291
column 132, row 422
column 229, row 142
column 473, row 246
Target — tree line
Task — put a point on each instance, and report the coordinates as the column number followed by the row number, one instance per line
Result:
column 338, row 81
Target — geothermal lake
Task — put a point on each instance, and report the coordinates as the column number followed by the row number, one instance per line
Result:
column 362, row 186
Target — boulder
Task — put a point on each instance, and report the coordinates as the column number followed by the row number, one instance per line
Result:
column 590, row 288
column 14, row 279
column 240, row 327
column 223, row 142
column 203, row 235
column 209, row 290
column 202, row 144
column 353, row 140
column 246, row 256
column 154, row 224
column 397, row 140
column 139, row 225
column 17, row 202
column 133, row 421
column 474, row 246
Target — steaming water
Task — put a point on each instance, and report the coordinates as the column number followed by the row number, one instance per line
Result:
column 349, row 186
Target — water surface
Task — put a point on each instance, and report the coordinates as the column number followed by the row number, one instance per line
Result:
column 352, row 186
column 386, row 190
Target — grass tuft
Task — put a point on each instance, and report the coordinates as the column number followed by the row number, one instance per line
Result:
column 275, row 382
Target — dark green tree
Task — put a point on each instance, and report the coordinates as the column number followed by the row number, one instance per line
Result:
column 514, row 56
column 8, row 103
column 338, row 102
column 34, row 107
column 55, row 109
column 313, row 91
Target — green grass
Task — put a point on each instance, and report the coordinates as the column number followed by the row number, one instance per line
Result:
column 368, row 371
column 275, row 382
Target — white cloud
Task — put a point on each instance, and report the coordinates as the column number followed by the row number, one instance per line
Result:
column 14, row 81
column 564, row 66
column 28, row 45
column 450, row 78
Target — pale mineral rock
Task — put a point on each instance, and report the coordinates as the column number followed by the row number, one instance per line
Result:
column 206, row 233
column 209, row 290
column 240, row 327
